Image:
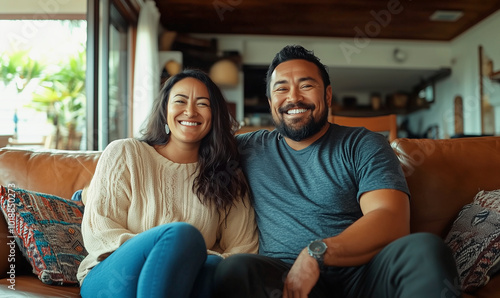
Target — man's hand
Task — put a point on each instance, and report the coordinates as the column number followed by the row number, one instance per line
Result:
column 302, row 276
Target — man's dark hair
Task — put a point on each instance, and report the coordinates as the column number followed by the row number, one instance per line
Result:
column 292, row 52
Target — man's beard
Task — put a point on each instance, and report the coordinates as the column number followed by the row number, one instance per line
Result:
column 310, row 128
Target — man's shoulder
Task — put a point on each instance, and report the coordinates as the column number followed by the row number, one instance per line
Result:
column 256, row 136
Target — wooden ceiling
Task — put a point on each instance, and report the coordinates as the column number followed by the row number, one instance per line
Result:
column 382, row 19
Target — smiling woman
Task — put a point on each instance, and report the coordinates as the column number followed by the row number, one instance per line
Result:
column 186, row 181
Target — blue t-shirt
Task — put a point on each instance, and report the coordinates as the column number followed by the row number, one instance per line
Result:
column 313, row 193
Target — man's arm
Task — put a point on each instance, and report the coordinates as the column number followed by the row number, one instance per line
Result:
column 386, row 217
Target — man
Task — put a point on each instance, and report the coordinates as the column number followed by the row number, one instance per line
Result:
column 331, row 203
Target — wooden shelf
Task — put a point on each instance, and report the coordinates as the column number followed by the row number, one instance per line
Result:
column 367, row 111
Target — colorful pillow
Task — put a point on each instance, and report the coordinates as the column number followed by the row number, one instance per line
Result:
column 475, row 240
column 47, row 231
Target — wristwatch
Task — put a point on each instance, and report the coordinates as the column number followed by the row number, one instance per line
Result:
column 317, row 250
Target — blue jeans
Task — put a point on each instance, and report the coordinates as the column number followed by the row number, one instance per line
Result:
column 166, row 261
column 77, row 196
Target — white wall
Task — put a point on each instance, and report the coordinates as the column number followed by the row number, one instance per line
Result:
column 338, row 53
column 464, row 81
column 461, row 54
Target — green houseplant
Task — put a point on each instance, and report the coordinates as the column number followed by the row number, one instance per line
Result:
column 19, row 69
column 62, row 96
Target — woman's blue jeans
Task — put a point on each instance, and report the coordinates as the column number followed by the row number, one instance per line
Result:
column 166, row 261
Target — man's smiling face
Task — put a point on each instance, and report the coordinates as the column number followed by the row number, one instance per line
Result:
column 298, row 102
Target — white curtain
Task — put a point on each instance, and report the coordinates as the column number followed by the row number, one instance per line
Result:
column 146, row 69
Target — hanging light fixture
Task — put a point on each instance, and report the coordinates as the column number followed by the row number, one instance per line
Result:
column 225, row 73
column 173, row 67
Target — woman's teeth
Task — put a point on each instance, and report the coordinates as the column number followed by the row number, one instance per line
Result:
column 189, row 123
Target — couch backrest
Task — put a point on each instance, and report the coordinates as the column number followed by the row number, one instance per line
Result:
column 444, row 175
column 56, row 172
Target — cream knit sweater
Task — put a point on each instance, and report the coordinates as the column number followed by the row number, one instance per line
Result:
column 134, row 188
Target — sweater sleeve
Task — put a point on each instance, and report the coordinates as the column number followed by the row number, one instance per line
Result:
column 104, row 223
column 238, row 233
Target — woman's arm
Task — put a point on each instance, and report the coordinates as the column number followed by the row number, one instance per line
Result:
column 104, row 223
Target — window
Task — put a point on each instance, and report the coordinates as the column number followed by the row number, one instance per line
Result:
column 42, row 82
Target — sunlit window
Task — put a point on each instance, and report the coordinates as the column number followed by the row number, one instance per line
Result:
column 42, row 82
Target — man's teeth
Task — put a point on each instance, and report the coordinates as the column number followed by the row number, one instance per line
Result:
column 296, row 111
column 189, row 123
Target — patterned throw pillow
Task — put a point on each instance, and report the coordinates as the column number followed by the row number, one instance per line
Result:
column 47, row 231
column 475, row 240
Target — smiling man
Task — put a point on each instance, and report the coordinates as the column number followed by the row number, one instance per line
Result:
column 331, row 203
column 299, row 101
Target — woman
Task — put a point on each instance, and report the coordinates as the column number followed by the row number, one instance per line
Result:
column 154, row 205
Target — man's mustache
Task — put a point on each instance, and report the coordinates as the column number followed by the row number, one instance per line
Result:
column 299, row 105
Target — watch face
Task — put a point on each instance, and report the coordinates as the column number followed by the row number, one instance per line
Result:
column 317, row 247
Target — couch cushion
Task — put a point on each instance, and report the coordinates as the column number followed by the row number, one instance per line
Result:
column 47, row 231
column 475, row 240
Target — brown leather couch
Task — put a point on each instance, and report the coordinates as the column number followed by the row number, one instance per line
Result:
column 59, row 173
column 443, row 176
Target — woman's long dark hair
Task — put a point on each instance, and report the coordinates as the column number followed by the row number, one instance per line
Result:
column 220, row 180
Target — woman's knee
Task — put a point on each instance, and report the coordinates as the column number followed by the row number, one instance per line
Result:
column 182, row 232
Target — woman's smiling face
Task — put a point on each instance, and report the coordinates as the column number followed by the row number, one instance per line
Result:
column 189, row 115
